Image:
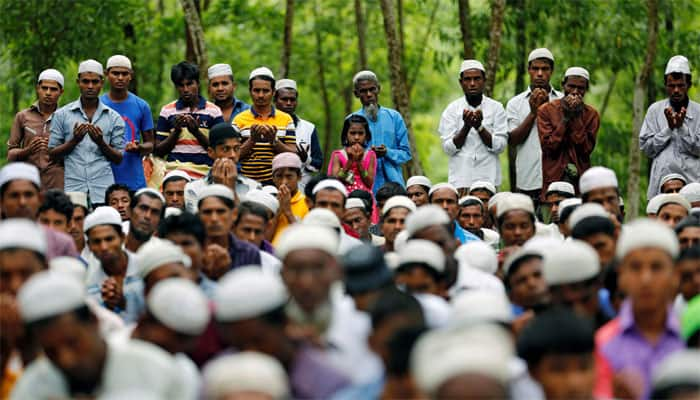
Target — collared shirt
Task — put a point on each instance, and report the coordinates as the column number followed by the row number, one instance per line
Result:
column 672, row 150
column 28, row 124
column 258, row 165
column 87, row 170
column 621, row 346
column 474, row 161
column 390, row 130
column 238, row 107
column 565, row 143
column 192, row 189
column 187, row 150
column 299, row 209
column 528, row 162
column 132, row 287
column 242, row 253
column 463, row 235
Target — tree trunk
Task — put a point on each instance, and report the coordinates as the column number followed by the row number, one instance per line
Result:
column 402, row 36
column 287, row 44
column 465, row 27
column 320, row 61
column 520, row 73
column 498, row 8
column 361, row 41
column 608, row 94
column 638, row 109
column 413, row 75
column 399, row 89
column 196, row 47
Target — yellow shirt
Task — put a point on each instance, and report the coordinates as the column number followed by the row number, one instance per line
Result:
column 299, row 209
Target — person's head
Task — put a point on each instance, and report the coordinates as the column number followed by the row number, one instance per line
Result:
column 80, row 211
column 224, row 142
column 432, row 223
column 576, row 81
column 20, row 196
column 524, row 279
column 484, row 190
column 147, row 208
column 676, row 377
column 355, row 131
column 22, row 253
column 357, row 216
column 558, row 347
column 599, row 233
column 119, row 72
column 516, row 219
column 286, row 95
column 217, row 210
column 286, row 171
column 221, row 83
column 365, row 274
column 445, row 195
column 688, row 232
column 417, row 189
column 472, row 78
column 387, row 191
column 556, row 192
column 421, row 268
column 471, row 214
column 105, row 237
column 160, row 259
column 647, row 251
column 56, row 211
column 49, row 87
column 173, row 188
column 118, row 196
column 677, row 79
column 540, row 65
column 229, row 377
column 251, row 223
column 688, row 266
column 90, row 79
column 261, row 86
column 393, row 216
column 672, row 183
column 186, row 231
column 566, row 208
column 366, row 88
column 599, row 185
column 330, row 194
column 672, row 209
column 185, row 77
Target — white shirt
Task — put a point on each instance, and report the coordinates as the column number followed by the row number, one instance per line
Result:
column 347, row 242
column 528, row 162
column 270, row 263
column 474, row 161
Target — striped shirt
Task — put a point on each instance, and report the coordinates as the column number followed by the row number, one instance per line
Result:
column 187, row 149
column 258, row 165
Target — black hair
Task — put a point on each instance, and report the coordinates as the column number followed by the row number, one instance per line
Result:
column 483, row 74
column 366, row 198
column 566, row 212
column 184, row 71
column 690, row 253
column 679, row 75
column 400, row 346
column 547, row 60
column 355, row 119
column 227, row 202
column 55, row 199
column 277, row 316
column 6, row 184
column 173, row 179
column 472, row 202
column 264, row 78
column 392, row 301
column 135, row 201
column 592, row 225
column 82, row 314
column 514, row 268
column 248, row 207
column 117, row 187
column 690, row 221
column 311, row 184
column 437, row 276
column 389, row 190
column 556, row 330
column 185, row 223
column 221, row 132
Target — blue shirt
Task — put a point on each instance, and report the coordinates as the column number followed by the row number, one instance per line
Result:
column 238, row 107
column 464, row 235
column 87, row 170
column 389, row 130
column 137, row 118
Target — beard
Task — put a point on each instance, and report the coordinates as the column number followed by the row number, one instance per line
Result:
column 141, row 236
column 474, row 99
column 372, row 111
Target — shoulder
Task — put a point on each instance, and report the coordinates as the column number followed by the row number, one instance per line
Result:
column 608, row 332
column 458, row 103
column 490, row 102
column 244, row 246
column 283, row 117
column 212, row 109
column 168, row 109
column 41, row 379
column 243, row 117
column 141, row 102
column 518, row 98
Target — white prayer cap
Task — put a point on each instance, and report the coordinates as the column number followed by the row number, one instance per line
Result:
column 564, row 187
column 479, row 306
column 441, row 354
column 426, row 216
column 78, row 199
column 521, row 253
column 398, row 201
column 118, row 61
column 571, row 262
column 670, row 177
column 645, row 232
column 270, row 189
column 22, row 233
column 419, row 180
column 471, row 64
column 47, row 294
column 442, row 185
column 90, row 66
column 330, row 184
column 180, row 305
column 217, row 70
column 400, row 241
column 364, row 76
column 217, row 190
column 68, row 266
column 176, row 173
column 261, row 71
column 673, row 198
column 392, row 259
column 465, row 199
column 151, row 191
column 104, row 215
column 566, row 203
column 51, row 75
column 577, row 71
column 19, row 171
column 585, row 211
column 322, row 217
column 678, row 369
column 245, row 372
column 516, row 201
column 678, row 64
column 482, row 185
column 691, row 192
column 285, row 84
column 540, row 53
column 479, row 255
column 156, row 253
column 496, row 198
column 264, row 199
column 302, row 237
column 170, row 211
column 418, row 251
column 248, row 292
column 436, row 310
column 354, row 203
column 597, row 178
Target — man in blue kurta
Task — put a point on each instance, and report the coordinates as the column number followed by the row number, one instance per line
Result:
column 389, row 133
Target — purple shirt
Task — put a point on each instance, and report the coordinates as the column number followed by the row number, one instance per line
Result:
column 242, row 253
column 312, row 376
column 59, row 244
column 624, row 348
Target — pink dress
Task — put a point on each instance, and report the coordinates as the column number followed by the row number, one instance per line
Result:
column 357, row 183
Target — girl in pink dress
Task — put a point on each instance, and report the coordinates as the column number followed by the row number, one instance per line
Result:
column 355, row 165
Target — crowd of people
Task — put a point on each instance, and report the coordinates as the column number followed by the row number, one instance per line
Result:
column 208, row 255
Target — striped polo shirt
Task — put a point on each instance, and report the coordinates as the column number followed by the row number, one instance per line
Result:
column 187, row 149
column 258, row 165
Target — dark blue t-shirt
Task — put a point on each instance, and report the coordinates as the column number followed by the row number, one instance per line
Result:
column 137, row 117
